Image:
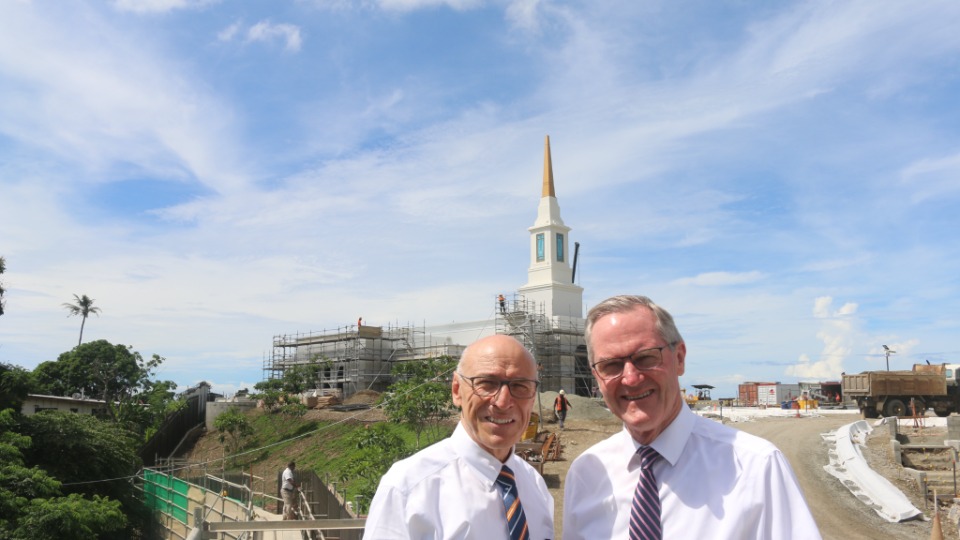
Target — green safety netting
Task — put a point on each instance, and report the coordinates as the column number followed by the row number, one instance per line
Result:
column 166, row 494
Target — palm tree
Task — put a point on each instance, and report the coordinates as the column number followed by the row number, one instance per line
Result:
column 3, row 268
column 83, row 307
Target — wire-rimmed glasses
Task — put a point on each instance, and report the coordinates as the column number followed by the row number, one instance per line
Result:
column 644, row 360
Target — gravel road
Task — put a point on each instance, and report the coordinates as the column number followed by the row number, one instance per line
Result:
column 839, row 514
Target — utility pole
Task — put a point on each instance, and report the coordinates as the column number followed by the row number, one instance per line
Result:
column 888, row 352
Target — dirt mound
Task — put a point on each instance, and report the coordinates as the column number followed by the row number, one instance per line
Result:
column 363, row 397
column 582, row 407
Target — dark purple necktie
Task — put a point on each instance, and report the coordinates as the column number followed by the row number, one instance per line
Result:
column 645, row 512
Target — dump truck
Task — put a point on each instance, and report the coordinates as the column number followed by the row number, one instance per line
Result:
column 888, row 393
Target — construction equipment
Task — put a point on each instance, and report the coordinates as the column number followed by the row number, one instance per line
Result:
column 889, row 393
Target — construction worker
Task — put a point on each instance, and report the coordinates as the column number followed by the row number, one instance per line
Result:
column 288, row 490
column 560, row 405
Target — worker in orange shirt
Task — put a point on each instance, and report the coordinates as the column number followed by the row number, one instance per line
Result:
column 560, row 405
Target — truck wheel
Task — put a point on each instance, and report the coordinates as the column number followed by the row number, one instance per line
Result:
column 870, row 412
column 895, row 407
column 942, row 413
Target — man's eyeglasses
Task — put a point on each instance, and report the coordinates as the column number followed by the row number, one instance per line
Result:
column 489, row 387
column 644, row 360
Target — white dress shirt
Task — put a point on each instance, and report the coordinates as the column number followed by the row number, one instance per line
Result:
column 715, row 482
column 448, row 491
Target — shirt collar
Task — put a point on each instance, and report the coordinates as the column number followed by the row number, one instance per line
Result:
column 671, row 441
column 486, row 465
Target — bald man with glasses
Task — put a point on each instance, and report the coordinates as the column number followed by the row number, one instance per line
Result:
column 670, row 473
column 472, row 485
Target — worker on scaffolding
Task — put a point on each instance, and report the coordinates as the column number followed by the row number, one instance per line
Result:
column 288, row 490
column 503, row 304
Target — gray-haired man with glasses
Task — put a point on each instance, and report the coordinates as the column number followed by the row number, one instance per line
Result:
column 670, row 473
column 472, row 485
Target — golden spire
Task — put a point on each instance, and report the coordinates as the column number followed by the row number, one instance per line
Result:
column 547, row 171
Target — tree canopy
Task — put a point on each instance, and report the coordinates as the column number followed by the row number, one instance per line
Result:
column 421, row 396
column 15, row 384
column 116, row 374
column 234, row 429
column 379, row 446
column 35, row 462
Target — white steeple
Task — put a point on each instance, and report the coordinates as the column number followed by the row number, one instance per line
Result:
column 550, row 276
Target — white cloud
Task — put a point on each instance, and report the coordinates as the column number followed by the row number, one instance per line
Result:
column 837, row 332
column 403, row 190
column 110, row 108
column 160, row 6
column 721, row 279
column 933, row 178
column 524, row 14
column 266, row 31
column 228, row 33
column 413, row 5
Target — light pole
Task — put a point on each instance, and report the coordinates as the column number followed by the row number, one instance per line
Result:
column 888, row 352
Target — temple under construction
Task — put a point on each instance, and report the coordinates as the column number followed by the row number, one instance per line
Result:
column 545, row 315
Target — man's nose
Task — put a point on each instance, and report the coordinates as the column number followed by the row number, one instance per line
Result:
column 504, row 398
column 632, row 375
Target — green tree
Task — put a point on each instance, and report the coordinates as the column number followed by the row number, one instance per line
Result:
column 84, row 308
column 72, row 516
column 97, row 448
column 379, row 446
column 301, row 377
column 15, row 384
column 33, row 505
column 117, row 374
column 420, row 396
column 157, row 401
column 234, row 429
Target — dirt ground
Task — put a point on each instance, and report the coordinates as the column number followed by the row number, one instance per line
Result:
column 839, row 514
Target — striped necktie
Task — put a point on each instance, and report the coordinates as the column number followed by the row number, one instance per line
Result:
column 645, row 512
column 516, row 520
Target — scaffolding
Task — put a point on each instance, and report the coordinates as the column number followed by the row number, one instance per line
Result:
column 556, row 343
column 354, row 358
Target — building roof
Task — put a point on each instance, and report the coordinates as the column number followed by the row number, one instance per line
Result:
column 64, row 398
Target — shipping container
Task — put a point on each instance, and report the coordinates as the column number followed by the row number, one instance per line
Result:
column 747, row 393
column 772, row 395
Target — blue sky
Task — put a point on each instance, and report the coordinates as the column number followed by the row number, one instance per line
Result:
column 783, row 177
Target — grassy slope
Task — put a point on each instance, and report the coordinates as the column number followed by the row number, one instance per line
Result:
column 320, row 442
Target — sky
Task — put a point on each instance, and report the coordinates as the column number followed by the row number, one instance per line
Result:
column 783, row 177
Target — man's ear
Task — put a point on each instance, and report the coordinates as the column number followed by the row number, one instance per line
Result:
column 455, row 390
column 681, row 357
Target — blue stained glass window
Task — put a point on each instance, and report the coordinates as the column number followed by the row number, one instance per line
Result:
column 540, row 247
column 559, row 247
